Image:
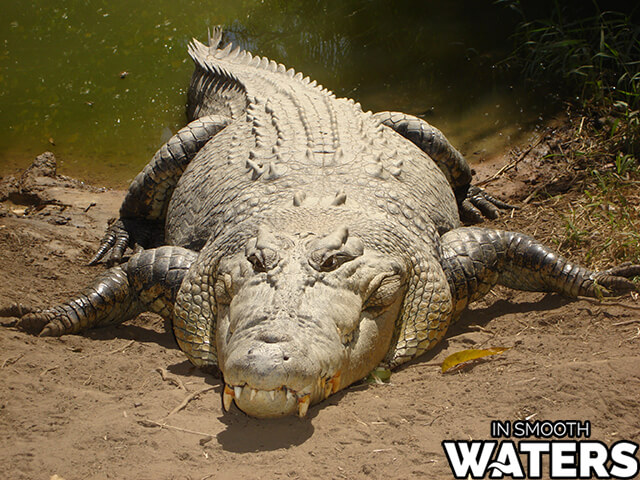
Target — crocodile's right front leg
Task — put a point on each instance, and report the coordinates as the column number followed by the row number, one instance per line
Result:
column 149, row 281
column 144, row 208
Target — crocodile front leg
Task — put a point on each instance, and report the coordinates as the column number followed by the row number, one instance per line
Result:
column 473, row 202
column 476, row 259
column 149, row 281
column 144, row 208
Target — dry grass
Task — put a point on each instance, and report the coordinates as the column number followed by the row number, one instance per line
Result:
column 586, row 201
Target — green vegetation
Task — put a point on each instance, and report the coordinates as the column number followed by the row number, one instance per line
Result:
column 592, row 52
column 591, row 55
column 591, row 58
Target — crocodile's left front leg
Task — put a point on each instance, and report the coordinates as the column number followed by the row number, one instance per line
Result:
column 473, row 202
column 476, row 259
column 149, row 281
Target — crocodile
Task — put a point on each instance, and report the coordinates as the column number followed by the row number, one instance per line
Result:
column 296, row 242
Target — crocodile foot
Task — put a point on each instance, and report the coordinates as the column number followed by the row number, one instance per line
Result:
column 478, row 205
column 31, row 320
column 616, row 281
column 45, row 323
column 125, row 233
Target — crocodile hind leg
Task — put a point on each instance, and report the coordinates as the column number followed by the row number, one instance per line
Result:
column 476, row 259
column 144, row 208
column 473, row 202
column 149, row 281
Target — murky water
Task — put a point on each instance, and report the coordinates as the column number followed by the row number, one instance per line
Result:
column 103, row 83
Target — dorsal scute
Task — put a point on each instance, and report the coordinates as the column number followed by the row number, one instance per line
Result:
column 220, row 61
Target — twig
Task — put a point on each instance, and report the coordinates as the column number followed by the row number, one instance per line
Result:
column 151, row 423
column 49, row 370
column 628, row 322
column 509, row 166
column 171, row 379
column 580, row 128
column 119, row 350
column 11, row 360
column 538, row 188
column 434, row 419
column 186, row 400
column 619, row 304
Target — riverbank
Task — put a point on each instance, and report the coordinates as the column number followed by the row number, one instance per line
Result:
column 107, row 404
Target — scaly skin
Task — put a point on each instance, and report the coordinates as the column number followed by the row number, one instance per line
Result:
column 309, row 241
column 144, row 209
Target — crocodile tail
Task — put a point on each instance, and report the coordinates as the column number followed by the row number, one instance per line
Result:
column 233, row 68
column 213, row 89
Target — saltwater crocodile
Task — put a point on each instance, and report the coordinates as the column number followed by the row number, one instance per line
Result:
column 297, row 242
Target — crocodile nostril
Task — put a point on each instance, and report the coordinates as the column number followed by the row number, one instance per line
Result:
column 285, row 357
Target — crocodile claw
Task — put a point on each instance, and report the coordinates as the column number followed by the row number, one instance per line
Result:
column 52, row 322
column 114, row 243
column 616, row 281
column 46, row 323
column 478, row 205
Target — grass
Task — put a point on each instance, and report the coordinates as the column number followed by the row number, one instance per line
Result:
column 591, row 52
column 600, row 215
column 591, row 57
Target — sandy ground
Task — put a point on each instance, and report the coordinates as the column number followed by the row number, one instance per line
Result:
column 91, row 406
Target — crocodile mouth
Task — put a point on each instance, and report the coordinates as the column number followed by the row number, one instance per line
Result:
column 279, row 401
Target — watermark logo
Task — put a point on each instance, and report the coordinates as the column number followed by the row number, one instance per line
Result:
column 558, row 449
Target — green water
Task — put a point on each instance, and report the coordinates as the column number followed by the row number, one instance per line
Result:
column 103, row 83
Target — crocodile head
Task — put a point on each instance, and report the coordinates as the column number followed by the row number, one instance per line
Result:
column 300, row 317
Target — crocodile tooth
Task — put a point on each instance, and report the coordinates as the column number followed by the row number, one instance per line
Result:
column 303, row 405
column 237, row 391
column 328, row 387
column 272, row 394
column 227, row 397
column 335, row 383
column 290, row 394
column 252, row 393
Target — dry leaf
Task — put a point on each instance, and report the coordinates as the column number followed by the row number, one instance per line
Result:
column 463, row 356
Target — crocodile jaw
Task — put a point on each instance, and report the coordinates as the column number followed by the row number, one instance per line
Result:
column 278, row 402
column 269, row 373
column 278, row 364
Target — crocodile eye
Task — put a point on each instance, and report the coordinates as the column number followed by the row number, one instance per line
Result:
column 329, row 264
column 332, row 262
column 257, row 263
